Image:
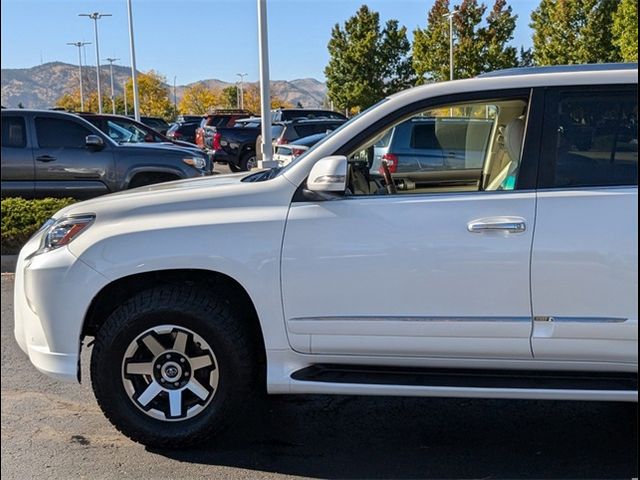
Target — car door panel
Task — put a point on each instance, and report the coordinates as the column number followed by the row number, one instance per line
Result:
column 584, row 269
column 403, row 275
column 18, row 165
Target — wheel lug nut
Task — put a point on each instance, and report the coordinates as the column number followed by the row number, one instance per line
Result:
column 162, row 380
column 168, row 355
column 177, row 384
column 186, row 374
column 182, row 360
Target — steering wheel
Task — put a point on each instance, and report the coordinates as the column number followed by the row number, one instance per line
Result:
column 388, row 179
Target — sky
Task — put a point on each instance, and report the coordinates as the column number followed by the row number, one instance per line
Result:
column 200, row 39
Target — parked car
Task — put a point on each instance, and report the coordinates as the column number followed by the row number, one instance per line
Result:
column 319, row 278
column 183, row 131
column 134, row 132
column 52, row 154
column 287, row 114
column 160, row 125
column 189, row 118
column 284, row 154
column 218, row 118
column 299, row 128
column 236, row 146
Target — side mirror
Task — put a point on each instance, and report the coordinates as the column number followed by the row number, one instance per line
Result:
column 94, row 142
column 329, row 175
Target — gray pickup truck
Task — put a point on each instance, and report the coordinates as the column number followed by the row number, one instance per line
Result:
column 55, row 154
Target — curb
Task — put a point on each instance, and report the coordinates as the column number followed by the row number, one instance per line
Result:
column 8, row 263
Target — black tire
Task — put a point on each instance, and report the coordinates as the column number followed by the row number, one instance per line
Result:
column 234, row 168
column 245, row 159
column 207, row 316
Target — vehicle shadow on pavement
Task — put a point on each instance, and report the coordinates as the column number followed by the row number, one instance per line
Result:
column 359, row 437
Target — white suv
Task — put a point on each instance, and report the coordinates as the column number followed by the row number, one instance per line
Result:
column 503, row 265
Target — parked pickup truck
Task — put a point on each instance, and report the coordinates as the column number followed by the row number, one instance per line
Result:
column 236, row 146
column 218, row 118
column 49, row 153
column 325, row 278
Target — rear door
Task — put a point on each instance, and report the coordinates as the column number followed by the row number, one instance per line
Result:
column 17, row 157
column 584, row 260
column 64, row 165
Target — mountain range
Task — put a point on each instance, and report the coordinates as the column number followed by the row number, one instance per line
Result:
column 42, row 85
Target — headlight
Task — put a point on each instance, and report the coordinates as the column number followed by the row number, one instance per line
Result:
column 63, row 231
column 196, row 162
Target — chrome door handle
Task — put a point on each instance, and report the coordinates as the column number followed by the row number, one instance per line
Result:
column 502, row 224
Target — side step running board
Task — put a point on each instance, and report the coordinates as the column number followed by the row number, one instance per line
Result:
column 468, row 378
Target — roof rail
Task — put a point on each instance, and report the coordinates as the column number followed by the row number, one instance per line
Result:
column 587, row 67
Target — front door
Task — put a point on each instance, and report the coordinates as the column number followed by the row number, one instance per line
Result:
column 17, row 158
column 64, row 165
column 437, row 268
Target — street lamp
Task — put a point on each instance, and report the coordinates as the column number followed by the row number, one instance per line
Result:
column 450, row 15
column 113, row 93
column 134, row 74
column 175, row 97
column 265, row 146
column 241, row 75
column 79, row 45
column 95, row 16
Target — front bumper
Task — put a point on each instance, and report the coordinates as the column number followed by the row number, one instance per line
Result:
column 52, row 294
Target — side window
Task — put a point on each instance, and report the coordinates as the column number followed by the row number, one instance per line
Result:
column 60, row 133
column 592, row 141
column 13, row 132
column 461, row 147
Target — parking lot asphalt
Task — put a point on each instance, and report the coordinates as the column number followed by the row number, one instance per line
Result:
column 56, row 430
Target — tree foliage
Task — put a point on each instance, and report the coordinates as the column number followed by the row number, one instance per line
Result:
column 153, row 94
column 478, row 46
column 625, row 30
column 573, row 31
column 229, row 97
column 70, row 101
column 366, row 62
column 198, row 99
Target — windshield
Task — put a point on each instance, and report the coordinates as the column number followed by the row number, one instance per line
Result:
column 325, row 139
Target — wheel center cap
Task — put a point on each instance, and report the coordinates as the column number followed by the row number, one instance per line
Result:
column 171, row 371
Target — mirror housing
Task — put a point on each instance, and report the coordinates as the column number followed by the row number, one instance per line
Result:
column 94, row 142
column 329, row 174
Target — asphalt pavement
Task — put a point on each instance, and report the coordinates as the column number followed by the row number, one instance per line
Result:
column 56, row 430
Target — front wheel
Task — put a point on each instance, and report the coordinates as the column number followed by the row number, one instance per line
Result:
column 171, row 367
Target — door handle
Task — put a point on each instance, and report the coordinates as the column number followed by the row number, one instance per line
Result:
column 500, row 224
column 45, row 158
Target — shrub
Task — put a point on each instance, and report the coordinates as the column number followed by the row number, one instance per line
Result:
column 21, row 218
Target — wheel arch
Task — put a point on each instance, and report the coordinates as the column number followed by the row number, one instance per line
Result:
column 115, row 293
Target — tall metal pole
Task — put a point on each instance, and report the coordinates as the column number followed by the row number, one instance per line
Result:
column 134, row 75
column 95, row 16
column 241, row 75
column 126, row 110
column 79, row 45
column 113, row 93
column 451, row 15
column 175, row 97
column 265, row 146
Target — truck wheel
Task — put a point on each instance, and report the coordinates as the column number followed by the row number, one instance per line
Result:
column 248, row 161
column 172, row 367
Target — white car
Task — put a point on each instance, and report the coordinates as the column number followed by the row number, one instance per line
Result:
column 508, row 272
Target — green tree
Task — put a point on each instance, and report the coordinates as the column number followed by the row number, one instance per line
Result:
column 573, row 31
column 496, row 36
column 229, row 97
column 367, row 63
column 478, row 48
column 70, row 101
column 625, row 30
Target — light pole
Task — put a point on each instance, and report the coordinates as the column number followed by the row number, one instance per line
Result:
column 263, row 46
column 450, row 15
column 79, row 45
column 241, row 75
column 134, row 75
column 175, row 97
column 113, row 93
column 95, row 16
column 124, row 89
